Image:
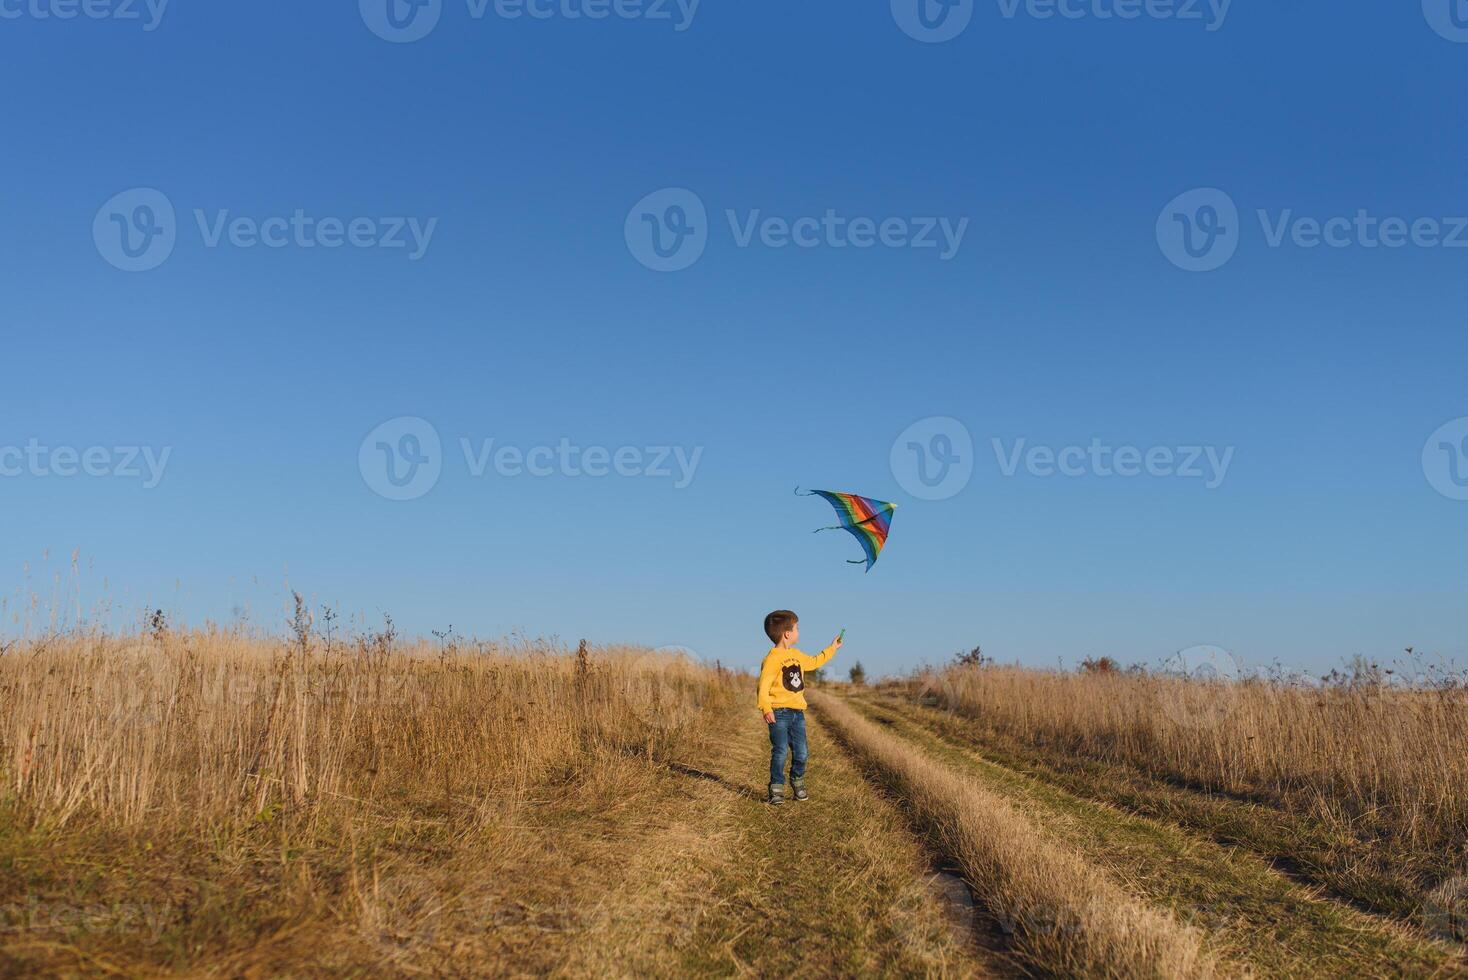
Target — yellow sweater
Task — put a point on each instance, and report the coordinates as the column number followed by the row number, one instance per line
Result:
column 782, row 677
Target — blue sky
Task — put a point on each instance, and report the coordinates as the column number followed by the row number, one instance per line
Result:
column 535, row 148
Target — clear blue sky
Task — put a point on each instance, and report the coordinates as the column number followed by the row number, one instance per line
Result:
column 528, row 319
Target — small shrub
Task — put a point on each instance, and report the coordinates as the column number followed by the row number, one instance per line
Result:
column 970, row 658
column 1100, row 665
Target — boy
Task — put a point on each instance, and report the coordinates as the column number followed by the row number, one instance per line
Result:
column 782, row 700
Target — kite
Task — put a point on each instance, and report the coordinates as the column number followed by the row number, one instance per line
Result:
column 868, row 520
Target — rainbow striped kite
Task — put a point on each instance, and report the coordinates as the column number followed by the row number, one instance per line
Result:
column 868, row 520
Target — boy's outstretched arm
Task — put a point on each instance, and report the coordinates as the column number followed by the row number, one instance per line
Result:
column 821, row 659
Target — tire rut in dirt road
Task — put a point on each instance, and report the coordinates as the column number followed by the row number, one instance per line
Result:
column 642, row 867
column 835, row 886
column 1064, row 916
column 1251, row 913
column 1368, row 874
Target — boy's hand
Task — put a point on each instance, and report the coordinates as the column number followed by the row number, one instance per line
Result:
column 836, row 643
column 769, row 717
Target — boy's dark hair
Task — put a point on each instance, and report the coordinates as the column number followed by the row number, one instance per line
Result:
column 777, row 622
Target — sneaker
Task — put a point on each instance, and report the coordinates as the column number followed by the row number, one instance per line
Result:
column 777, row 794
column 798, row 785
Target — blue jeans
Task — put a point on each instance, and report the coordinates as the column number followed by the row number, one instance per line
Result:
column 787, row 733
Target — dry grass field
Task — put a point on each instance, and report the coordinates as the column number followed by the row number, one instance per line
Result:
column 1359, row 785
column 217, row 803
